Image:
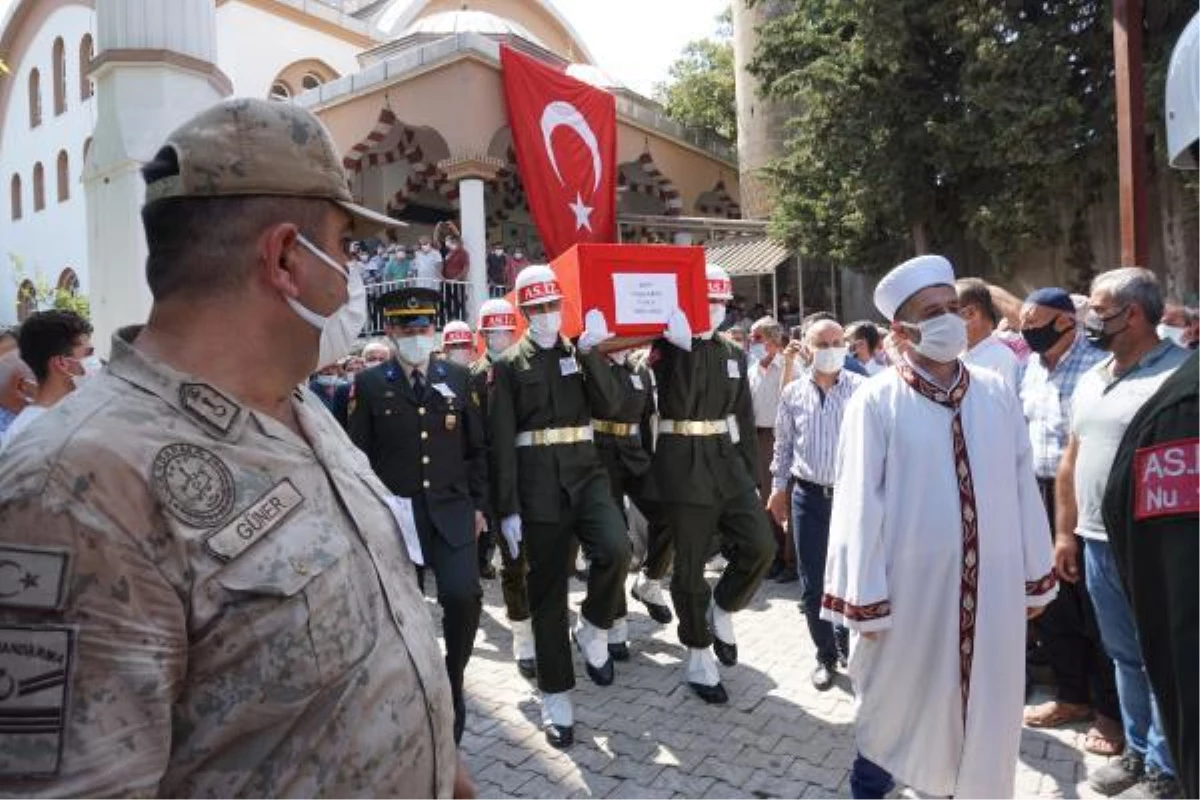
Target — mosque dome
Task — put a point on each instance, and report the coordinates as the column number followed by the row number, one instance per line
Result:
column 469, row 21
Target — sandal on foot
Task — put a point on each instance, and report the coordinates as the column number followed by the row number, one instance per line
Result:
column 1055, row 714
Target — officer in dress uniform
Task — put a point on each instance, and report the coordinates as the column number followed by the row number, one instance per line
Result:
column 1152, row 503
column 497, row 323
column 703, row 475
column 424, row 435
column 550, row 484
column 625, row 444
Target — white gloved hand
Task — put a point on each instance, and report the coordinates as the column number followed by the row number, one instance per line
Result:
column 510, row 526
column 679, row 330
column 595, row 330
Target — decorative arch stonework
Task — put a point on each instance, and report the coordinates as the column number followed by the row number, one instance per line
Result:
column 717, row 202
column 68, row 281
column 293, row 75
column 644, row 177
column 26, row 300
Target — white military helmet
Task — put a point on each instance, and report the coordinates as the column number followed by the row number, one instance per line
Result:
column 536, row 285
column 456, row 333
column 1183, row 98
column 497, row 314
column 719, row 285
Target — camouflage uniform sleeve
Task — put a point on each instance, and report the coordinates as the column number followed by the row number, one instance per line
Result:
column 122, row 629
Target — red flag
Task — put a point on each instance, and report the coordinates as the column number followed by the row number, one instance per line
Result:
column 565, row 136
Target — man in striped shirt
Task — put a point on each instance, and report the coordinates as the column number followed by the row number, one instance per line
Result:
column 806, row 442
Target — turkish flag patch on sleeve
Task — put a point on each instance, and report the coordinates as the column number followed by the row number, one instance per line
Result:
column 1166, row 479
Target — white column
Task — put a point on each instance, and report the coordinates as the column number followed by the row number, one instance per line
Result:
column 474, row 232
column 140, row 99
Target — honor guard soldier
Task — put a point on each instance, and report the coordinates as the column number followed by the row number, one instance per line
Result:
column 625, row 444
column 551, row 486
column 458, row 343
column 1152, row 501
column 497, row 324
column 424, row 435
column 703, row 475
column 204, row 593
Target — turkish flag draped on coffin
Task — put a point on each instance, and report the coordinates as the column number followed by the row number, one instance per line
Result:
column 565, row 136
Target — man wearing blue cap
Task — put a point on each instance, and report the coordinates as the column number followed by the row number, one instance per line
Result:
column 1068, row 634
column 422, row 429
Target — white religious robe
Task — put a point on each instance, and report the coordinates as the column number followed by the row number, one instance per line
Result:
column 895, row 565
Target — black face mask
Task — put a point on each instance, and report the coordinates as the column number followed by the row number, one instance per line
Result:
column 1096, row 328
column 1041, row 339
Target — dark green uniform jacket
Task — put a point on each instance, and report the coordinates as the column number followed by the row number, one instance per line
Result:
column 1154, row 530
column 534, row 389
column 433, row 444
column 630, row 455
column 709, row 383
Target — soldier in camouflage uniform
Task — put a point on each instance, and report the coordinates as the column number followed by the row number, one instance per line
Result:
column 203, row 590
column 703, row 475
column 550, row 484
column 497, row 322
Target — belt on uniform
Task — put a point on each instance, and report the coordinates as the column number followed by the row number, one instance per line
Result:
column 616, row 428
column 693, row 427
column 551, row 436
column 817, row 488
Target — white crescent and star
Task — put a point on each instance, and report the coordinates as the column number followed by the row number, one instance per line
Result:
column 558, row 114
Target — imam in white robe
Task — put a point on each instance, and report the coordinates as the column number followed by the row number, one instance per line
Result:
column 895, row 566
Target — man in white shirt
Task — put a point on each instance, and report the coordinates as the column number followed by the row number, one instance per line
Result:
column 984, row 349
column 57, row 346
column 427, row 265
column 766, row 385
column 939, row 550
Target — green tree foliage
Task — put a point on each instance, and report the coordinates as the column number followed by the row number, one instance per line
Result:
column 970, row 127
column 700, row 90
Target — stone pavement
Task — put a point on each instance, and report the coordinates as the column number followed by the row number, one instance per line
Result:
column 647, row 735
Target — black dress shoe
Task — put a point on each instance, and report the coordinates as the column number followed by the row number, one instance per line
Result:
column 659, row 613
column 713, row 695
column 559, row 736
column 527, row 667
column 787, row 576
column 822, row 677
column 601, row 676
column 619, row 651
column 726, row 653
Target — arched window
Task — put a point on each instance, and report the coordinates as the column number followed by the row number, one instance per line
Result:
column 26, row 300
column 68, row 282
column 35, row 98
column 59, row 61
column 64, row 177
column 280, row 91
column 39, row 187
column 311, row 80
column 14, row 196
column 87, row 148
column 87, row 51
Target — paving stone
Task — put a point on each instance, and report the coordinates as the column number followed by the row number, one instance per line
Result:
column 634, row 790
column 682, row 782
column 508, row 779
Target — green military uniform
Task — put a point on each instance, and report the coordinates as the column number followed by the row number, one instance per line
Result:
column 425, row 439
column 704, row 480
column 546, row 469
column 513, row 571
column 1150, row 513
column 625, row 444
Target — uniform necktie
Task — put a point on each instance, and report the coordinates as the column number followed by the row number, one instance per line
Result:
column 417, row 384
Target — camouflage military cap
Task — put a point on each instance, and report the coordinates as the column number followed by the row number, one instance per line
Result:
column 243, row 146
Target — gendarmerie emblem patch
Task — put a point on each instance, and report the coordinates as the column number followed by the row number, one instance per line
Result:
column 193, row 485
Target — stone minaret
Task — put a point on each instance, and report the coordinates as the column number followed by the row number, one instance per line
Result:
column 761, row 123
column 155, row 68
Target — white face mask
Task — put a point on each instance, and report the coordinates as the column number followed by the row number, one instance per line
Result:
column 829, row 360
column 460, row 356
column 414, row 351
column 341, row 328
column 758, row 351
column 91, row 367
column 498, row 342
column 943, row 338
column 716, row 315
column 544, row 328
column 1172, row 332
